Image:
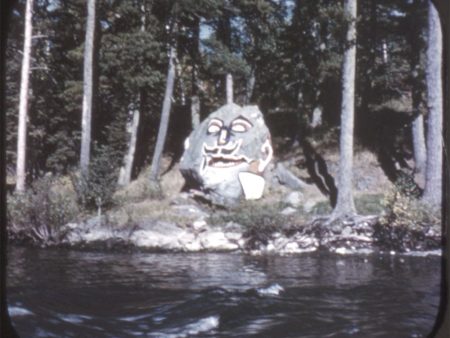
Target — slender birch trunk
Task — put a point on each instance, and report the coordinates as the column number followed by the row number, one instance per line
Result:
column 229, row 87
column 127, row 168
column 165, row 114
column 250, row 86
column 128, row 161
column 345, row 205
column 195, row 111
column 433, row 177
column 87, row 89
column 23, row 103
column 195, row 99
column 420, row 152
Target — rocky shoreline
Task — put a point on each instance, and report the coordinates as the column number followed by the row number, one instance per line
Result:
column 359, row 234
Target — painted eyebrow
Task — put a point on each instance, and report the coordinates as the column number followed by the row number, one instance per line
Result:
column 242, row 118
column 215, row 121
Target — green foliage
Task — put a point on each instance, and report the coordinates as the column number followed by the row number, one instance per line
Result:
column 403, row 208
column 37, row 214
column 97, row 189
column 259, row 220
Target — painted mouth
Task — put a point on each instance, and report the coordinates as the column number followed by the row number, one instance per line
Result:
column 225, row 161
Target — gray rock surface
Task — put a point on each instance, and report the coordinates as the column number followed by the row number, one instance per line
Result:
column 230, row 141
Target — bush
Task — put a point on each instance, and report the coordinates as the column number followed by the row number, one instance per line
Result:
column 37, row 214
column 261, row 221
column 96, row 189
column 404, row 208
column 407, row 223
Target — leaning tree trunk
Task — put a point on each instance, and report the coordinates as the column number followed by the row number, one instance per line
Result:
column 433, row 177
column 165, row 114
column 87, row 89
column 23, row 103
column 345, row 205
column 128, row 161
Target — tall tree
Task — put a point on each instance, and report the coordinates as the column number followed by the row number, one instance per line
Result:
column 433, row 178
column 416, row 44
column 165, row 114
column 133, row 127
column 345, row 205
column 87, row 88
column 23, row 103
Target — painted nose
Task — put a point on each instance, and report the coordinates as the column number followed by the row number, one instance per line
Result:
column 224, row 136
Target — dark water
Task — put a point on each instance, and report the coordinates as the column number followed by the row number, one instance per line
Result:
column 54, row 293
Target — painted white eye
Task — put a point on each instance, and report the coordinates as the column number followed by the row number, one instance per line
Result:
column 213, row 128
column 240, row 125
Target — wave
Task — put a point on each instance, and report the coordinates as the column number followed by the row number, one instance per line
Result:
column 200, row 326
column 272, row 290
column 16, row 311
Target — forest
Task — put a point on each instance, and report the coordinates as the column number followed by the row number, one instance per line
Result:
column 116, row 86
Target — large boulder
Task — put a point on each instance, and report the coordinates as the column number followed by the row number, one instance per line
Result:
column 226, row 156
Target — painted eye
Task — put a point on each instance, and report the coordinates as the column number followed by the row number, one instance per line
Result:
column 240, row 126
column 214, row 127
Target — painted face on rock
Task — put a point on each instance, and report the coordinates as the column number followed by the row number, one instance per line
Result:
column 230, row 141
column 223, row 143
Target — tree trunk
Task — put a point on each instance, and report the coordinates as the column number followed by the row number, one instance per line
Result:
column 23, row 103
column 229, row 88
column 433, row 177
column 126, row 169
column 165, row 114
column 195, row 111
column 87, row 89
column 195, row 99
column 128, row 161
column 345, row 205
column 418, row 133
column 250, row 86
column 420, row 152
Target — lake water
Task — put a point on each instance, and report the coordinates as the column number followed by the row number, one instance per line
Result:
column 62, row 293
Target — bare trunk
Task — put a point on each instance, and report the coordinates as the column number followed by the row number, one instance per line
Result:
column 195, row 111
column 420, row 152
column 345, row 205
column 126, row 170
column 250, row 87
column 433, row 178
column 165, row 114
column 128, row 161
column 229, row 88
column 23, row 103
column 87, row 89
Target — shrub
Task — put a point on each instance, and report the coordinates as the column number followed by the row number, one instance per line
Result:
column 260, row 220
column 96, row 189
column 37, row 214
column 407, row 223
